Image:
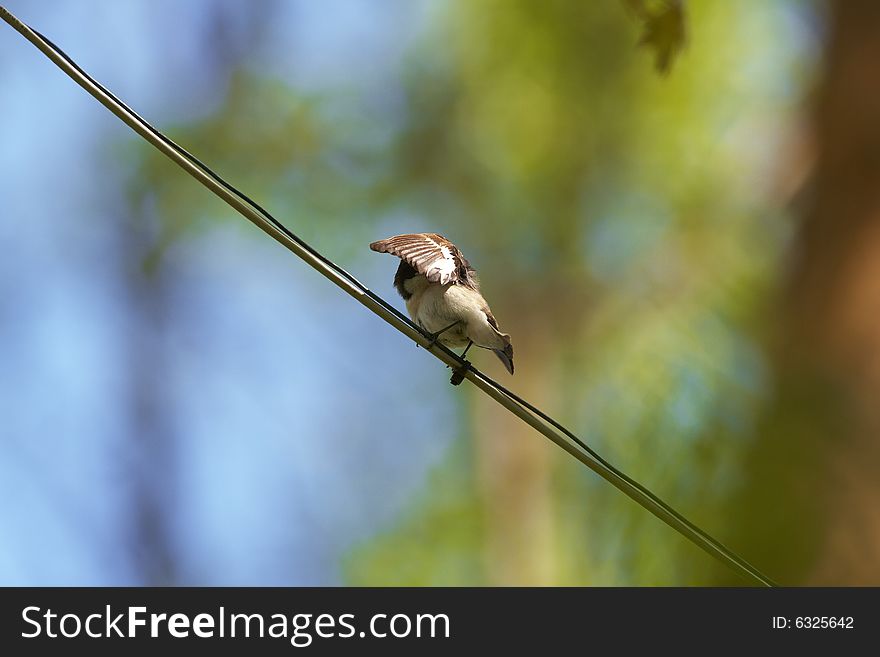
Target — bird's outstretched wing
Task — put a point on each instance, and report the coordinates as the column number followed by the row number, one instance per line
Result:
column 432, row 255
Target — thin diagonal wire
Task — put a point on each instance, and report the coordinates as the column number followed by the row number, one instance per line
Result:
column 252, row 211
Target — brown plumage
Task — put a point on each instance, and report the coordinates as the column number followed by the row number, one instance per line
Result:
column 442, row 293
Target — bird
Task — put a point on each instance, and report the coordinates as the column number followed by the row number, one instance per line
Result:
column 442, row 294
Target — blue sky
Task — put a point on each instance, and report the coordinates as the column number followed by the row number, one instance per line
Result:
column 271, row 482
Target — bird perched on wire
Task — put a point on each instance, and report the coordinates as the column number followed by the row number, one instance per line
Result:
column 442, row 295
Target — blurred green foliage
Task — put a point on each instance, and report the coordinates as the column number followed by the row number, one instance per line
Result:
column 622, row 217
column 627, row 215
column 664, row 28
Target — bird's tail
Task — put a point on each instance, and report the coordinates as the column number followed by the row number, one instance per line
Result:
column 506, row 355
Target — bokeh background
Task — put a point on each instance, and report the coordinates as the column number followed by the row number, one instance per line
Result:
column 682, row 241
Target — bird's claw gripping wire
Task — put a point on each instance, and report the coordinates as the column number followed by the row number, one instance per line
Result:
column 459, row 373
column 436, row 336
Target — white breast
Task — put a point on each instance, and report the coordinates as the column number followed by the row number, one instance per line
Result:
column 434, row 307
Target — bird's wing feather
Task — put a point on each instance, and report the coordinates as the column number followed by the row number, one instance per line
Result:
column 430, row 254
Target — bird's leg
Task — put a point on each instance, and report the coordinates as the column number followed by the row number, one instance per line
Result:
column 459, row 372
column 434, row 336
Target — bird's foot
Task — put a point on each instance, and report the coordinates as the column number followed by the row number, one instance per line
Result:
column 434, row 337
column 459, row 373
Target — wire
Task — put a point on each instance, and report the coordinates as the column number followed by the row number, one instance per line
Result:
column 255, row 213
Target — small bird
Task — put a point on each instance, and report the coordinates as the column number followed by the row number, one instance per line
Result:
column 442, row 294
